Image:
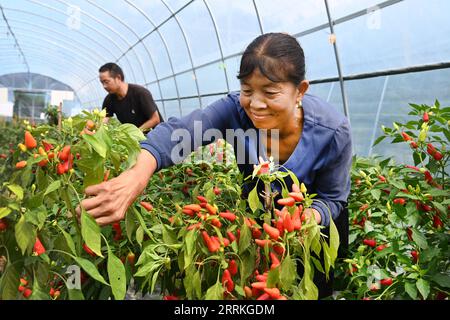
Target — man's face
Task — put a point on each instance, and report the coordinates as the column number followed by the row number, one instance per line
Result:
column 110, row 84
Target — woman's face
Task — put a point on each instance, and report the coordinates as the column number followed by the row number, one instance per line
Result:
column 270, row 105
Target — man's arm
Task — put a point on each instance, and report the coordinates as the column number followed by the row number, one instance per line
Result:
column 150, row 123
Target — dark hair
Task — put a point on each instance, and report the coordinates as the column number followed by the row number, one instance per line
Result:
column 113, row 69
column 278, row 56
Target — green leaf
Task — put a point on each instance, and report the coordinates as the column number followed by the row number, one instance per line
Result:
column 317, row 264
column 215, row 292
column 116, row 275
column 169, row 237
column 130, row 224
column 17, row 190
column 419, row 238
column 69, row 241
column 4, row 212
column 75, row 294
column 132, row 131
column 440, row 207
column 376, row 193
column 424, row 288
column 140, row 235
column 96, row 144
column 8, row 283
column 91, row 269
column 442, row 279
column 411, row 290
column 379, row 139
column 90, row 231
column 334, row 242
column 190, row 247
column 197, row 284
column 253, row 199
column 398, row 184
column 245, row 238
column 273, row 278
column 55, row 185
column 288, row 273
column 25, row 235
column 37, row 217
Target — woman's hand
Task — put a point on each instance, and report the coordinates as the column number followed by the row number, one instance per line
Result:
column 109, row 201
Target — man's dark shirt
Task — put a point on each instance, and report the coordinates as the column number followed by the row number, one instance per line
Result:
column 136, row 107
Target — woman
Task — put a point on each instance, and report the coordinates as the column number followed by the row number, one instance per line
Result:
column 308, row 136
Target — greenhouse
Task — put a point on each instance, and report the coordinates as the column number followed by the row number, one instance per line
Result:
column 224, row 150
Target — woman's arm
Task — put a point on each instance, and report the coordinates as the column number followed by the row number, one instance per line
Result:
column 110, row 200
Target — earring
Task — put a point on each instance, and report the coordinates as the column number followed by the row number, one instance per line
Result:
column 300, row 105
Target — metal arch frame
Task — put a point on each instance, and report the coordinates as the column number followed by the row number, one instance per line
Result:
column 189, row 52
column 77, row 75
column 167, row 52
column 31, row 37
column 50, row 40
column 79, row 44
column 219, row 43
column 261, row 29
column 15, row 39
column 74, row 74
column 59, row 23
column 80, row 76
column 127, row 27
column 88, row 26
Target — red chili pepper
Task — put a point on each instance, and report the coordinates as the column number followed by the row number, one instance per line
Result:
column 426, row 117
column 437, row 156
column 413, row 144
column 202, row 199
column 47, row 146
column 64, row 154
column 370, row 242
column 227, row 281
column 289, row 202
column 146, row 205
column 263, row 243
column 400, row 201
column 298, row 196
column 381, row 247
column 3, row 224
column 430, row 149
column 216, row 223
column 211, row 209
column 275, row 260
column 27, row 293
column 193, row 207
column 415, row 256
column 211, row 244
column 274, row 293
column 21, row 165
column 406, row 137
column 30, row 141
column 278, row 249
column 381, row 178
column 88, row 250
column 38, row 248
column 437, row 222
column 194, row 226
column 233, row 267
column 118, row 231
column 228, row 215
column 386, row 282
column 271, row 231
column 217, row 191
column 231, row 236
column 364, row 207
column 256, row 233
column 259, row 285
column 288, row 224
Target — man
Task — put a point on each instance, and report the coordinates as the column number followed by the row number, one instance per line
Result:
column 131, row 103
